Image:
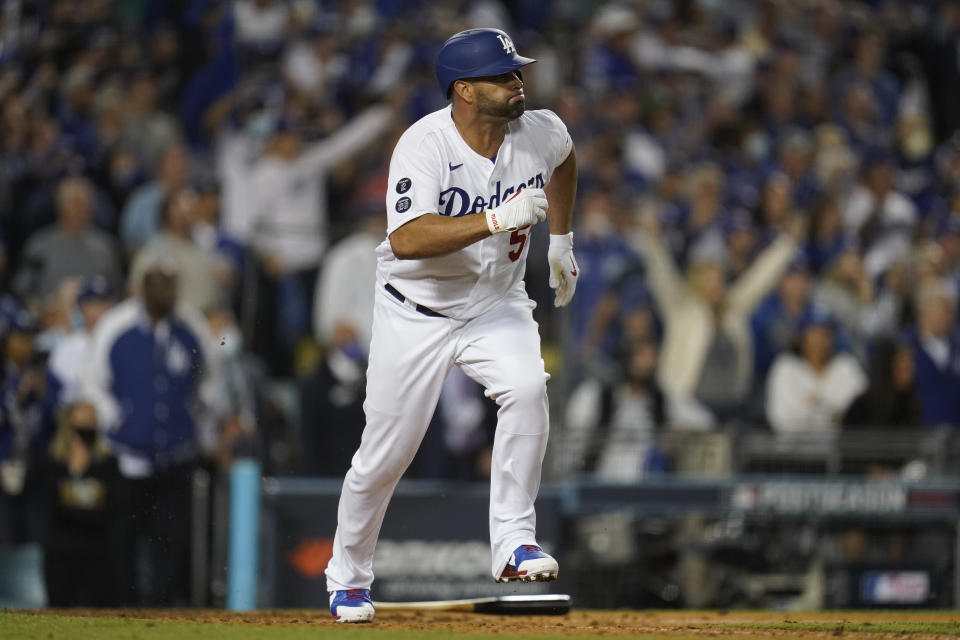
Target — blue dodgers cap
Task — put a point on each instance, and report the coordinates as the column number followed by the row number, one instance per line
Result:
column 96, row 288
column 817, row 316
column 476, row 53
column 16, row 319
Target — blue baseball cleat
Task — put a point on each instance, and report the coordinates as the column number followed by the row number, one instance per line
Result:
column 351, row 605
column 530, row 564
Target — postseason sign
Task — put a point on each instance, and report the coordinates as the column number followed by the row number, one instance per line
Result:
column 820, row 497
column 434, row 544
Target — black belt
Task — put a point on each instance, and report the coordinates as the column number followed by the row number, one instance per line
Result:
column 427, row 311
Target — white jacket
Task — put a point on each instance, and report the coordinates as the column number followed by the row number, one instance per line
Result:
column 799, row 400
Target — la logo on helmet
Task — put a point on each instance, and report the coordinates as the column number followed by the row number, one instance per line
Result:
column 507, row 43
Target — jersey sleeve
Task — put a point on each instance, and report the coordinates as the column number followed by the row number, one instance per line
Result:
column 558, row 142
column 414, row 184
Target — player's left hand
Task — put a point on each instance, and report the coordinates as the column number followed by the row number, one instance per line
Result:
column 563, row 268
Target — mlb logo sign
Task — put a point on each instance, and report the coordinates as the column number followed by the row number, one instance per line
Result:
column 507, row 43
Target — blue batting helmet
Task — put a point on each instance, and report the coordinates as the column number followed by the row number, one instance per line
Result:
column 476, row 53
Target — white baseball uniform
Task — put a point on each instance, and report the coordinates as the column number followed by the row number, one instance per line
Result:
column 468, row 308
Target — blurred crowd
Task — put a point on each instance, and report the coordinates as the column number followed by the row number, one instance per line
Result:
column 768, row 225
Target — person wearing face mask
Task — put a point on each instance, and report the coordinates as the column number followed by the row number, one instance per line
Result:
column 81, row 484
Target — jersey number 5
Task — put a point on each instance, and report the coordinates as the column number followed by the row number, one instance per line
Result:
column 519, row 238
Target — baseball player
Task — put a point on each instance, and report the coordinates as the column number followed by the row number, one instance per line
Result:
column 467, row 184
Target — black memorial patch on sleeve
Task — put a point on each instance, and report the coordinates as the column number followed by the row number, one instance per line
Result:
column 403, row 185
column 403, row 204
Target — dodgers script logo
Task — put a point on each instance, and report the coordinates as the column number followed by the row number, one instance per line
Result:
column 507, row 43
column 457, row 202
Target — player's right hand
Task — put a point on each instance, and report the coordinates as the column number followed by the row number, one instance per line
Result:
column 526, row 208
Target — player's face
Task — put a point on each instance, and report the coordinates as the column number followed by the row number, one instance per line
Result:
column 500, row 96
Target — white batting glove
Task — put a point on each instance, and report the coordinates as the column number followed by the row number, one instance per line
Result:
column 564, row 271
column 528, row 207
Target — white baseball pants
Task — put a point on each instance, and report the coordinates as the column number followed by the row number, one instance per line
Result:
column 410, row 356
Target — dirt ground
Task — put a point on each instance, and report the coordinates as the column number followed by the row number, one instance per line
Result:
column 577, row 623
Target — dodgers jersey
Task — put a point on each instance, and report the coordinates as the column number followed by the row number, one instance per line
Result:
column 434, row 172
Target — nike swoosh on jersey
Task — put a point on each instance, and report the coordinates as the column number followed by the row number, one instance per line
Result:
column 454, row 167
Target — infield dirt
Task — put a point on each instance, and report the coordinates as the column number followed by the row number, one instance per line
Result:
column 856, row 625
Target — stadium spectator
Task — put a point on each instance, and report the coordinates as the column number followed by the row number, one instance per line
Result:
column 728, row 64
column 204, row 278
column 75, row 111
column 880, row 217
column 700, row 226
column 602, row 253
column 776, row 205
column 332, row 397
column 608, row 63
column 244, row 379
column 775, row 321
column 211, row 237
column 156, row 383
column 148, row 131
column 849, row 294
column 707, row 347
column 866, row 69
column 942, row 69
column 948, row 237
column 343, row 299
column 30, row 394
column 623, row 314
column 82, row 491
column 809, row 392
column 261, row 24
column 314, row 64
column 795, row 161
column 740, row 243
column 612, row 427
column 68, row 358
column 827, row 237
column 916, row 174
column 936, row 349
column 71, row 248
column 834, row 163
column 288, row 225
column 141, row 215
column 27, row 423
column 891, row 400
